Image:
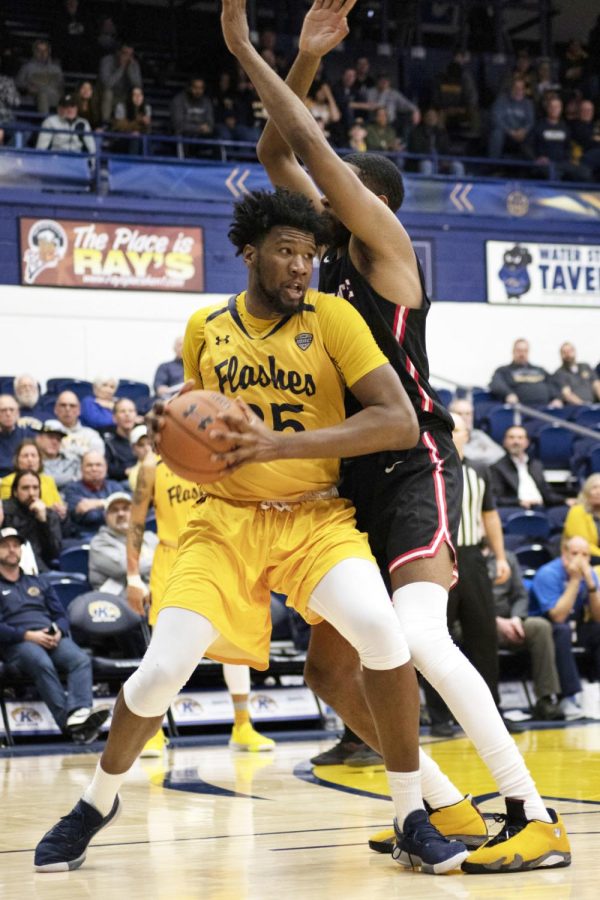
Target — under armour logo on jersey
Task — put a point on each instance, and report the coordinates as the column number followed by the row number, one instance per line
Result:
column 222, row 340
column 304, row 340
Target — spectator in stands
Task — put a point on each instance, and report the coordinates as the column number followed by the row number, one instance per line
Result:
column 321, row 103
column 41, row 79
column 62, row 467
column 9, row 101
column 357, row 137
column 552, row 145
column 583, row 519
column 11, row 434
column 401, row 111
column 455, row 97
column 545, row 83
column 430, row 137
column 471, row 602
column 34, row 637
column 97, row 411
column 108, row 548
column 27, row 395
column 134, row 116
column 79, row 439
column 169, row 373
column 512, row 123
column 230, row 114
column 119, row 72
column 251, row 109
column 480, row 448
column 37, row 524
column 573, row 66
column 347, row 93
column 71, row 37
column 88, row 105
column 142, row 448
column 192, row 114
column 107, row 40
column 566, row 590
column 65, row 131
column 85, row 498
column 524, row 70
column 517, row 479
column 120, row 457
column 28, row 458
column 585, row 132
column 522, row 382
column 363, row 76
column 578, row 382
column 268, row 41
column 380, row 134
column 518, row 631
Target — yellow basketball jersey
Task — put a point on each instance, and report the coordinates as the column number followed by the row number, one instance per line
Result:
column 173, row 499
column 292, row 371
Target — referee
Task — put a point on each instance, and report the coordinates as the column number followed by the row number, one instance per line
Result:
column 471, row 602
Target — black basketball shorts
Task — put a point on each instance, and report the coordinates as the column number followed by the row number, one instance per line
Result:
column 409, row 501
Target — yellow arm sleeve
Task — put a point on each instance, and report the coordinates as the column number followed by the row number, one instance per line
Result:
column 347, row 338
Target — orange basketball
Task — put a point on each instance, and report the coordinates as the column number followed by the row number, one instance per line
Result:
column 184, row 441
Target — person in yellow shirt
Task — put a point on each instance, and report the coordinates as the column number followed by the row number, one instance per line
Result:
column 27, row 457
column 173, row 498
column 275, row 522
column 583, row 519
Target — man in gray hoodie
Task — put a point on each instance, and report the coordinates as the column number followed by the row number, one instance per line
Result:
column 108, row 548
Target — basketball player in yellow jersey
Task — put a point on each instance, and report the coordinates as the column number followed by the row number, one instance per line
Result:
column 275, row 522
column 173, row 498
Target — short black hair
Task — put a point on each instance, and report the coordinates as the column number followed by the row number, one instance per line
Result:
column 380, row 175
column 260, row 211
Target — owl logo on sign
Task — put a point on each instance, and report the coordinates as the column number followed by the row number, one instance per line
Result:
column 514, row 274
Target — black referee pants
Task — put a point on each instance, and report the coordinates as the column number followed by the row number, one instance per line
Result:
column 471, row 604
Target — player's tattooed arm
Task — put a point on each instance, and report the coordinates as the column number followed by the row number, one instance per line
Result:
column 142, row 497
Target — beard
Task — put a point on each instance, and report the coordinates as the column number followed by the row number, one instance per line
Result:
column 275, row 299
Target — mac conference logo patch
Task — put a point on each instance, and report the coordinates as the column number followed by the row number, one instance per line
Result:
column 304, row 340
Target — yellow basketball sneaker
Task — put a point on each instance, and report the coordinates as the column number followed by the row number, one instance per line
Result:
column 460, row 822
column 155, row 746
column 244, row 737
column 522, row 844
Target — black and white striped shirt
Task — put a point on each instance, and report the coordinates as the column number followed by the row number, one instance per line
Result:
column 477, row 498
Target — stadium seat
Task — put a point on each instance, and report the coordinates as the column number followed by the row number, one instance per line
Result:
column 445, row 396
column 55, row 385
column 75, row 559
column 151, row 522
column 6, row 384
column 532, row 556
column 595, row 460
column 498, row 419
column 555, row 446
column 588, row 417
column 134, row 390
column 532, row 524
column 79, row 386
column 69, row 585
column 556, row 517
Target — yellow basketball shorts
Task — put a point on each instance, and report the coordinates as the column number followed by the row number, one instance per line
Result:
column 164, row 558
column 232, row 555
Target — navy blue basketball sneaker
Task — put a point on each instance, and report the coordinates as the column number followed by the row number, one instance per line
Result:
column 64, row 846
column 420, row 844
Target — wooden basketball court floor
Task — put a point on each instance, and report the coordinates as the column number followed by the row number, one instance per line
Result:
column 209, row 823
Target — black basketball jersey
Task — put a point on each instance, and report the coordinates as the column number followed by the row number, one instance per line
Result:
column 398, row 330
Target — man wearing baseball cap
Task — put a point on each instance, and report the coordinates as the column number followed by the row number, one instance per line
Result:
column 65, row 131
column 34, row 640
column 108, row 548
column 56, row 463
column 142, row 448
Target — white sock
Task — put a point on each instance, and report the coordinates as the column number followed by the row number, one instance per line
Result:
column 436, row 787
column 405, row 788
column 103, row 789
column 421, row 608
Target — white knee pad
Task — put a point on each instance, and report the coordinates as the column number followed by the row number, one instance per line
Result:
column 237, row 678
column 352, row 597
column 421, row 608
column 180, row 639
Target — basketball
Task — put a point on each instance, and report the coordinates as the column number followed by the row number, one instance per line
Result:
column 184, row 441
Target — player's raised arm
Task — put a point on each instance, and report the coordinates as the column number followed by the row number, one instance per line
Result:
column 361, row 211
column 325, row 25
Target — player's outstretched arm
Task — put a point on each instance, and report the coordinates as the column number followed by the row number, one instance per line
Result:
column 387, row 421
column 363, row 213
column 325, row 25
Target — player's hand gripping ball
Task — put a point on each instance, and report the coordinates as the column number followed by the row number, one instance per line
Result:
column 187, row 440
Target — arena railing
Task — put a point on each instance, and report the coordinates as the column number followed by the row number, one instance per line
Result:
column 156, row 146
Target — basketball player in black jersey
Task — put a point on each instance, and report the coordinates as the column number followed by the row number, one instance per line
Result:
column 409, row 502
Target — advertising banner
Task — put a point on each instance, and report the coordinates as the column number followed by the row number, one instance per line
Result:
column 531, row 273
column 66, row 253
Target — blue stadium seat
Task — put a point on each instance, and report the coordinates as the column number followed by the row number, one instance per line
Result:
column 555, row 446
column 134, row 390
column 67, row 589
column 75, row 559
column 532, row 556
column 151, row 522
column 532, row 524
column 445, row 396
column 56, row 385
column 80, row 387
column 498, row 419
column 6, row 384
column 588, row 417
column 595, row 460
